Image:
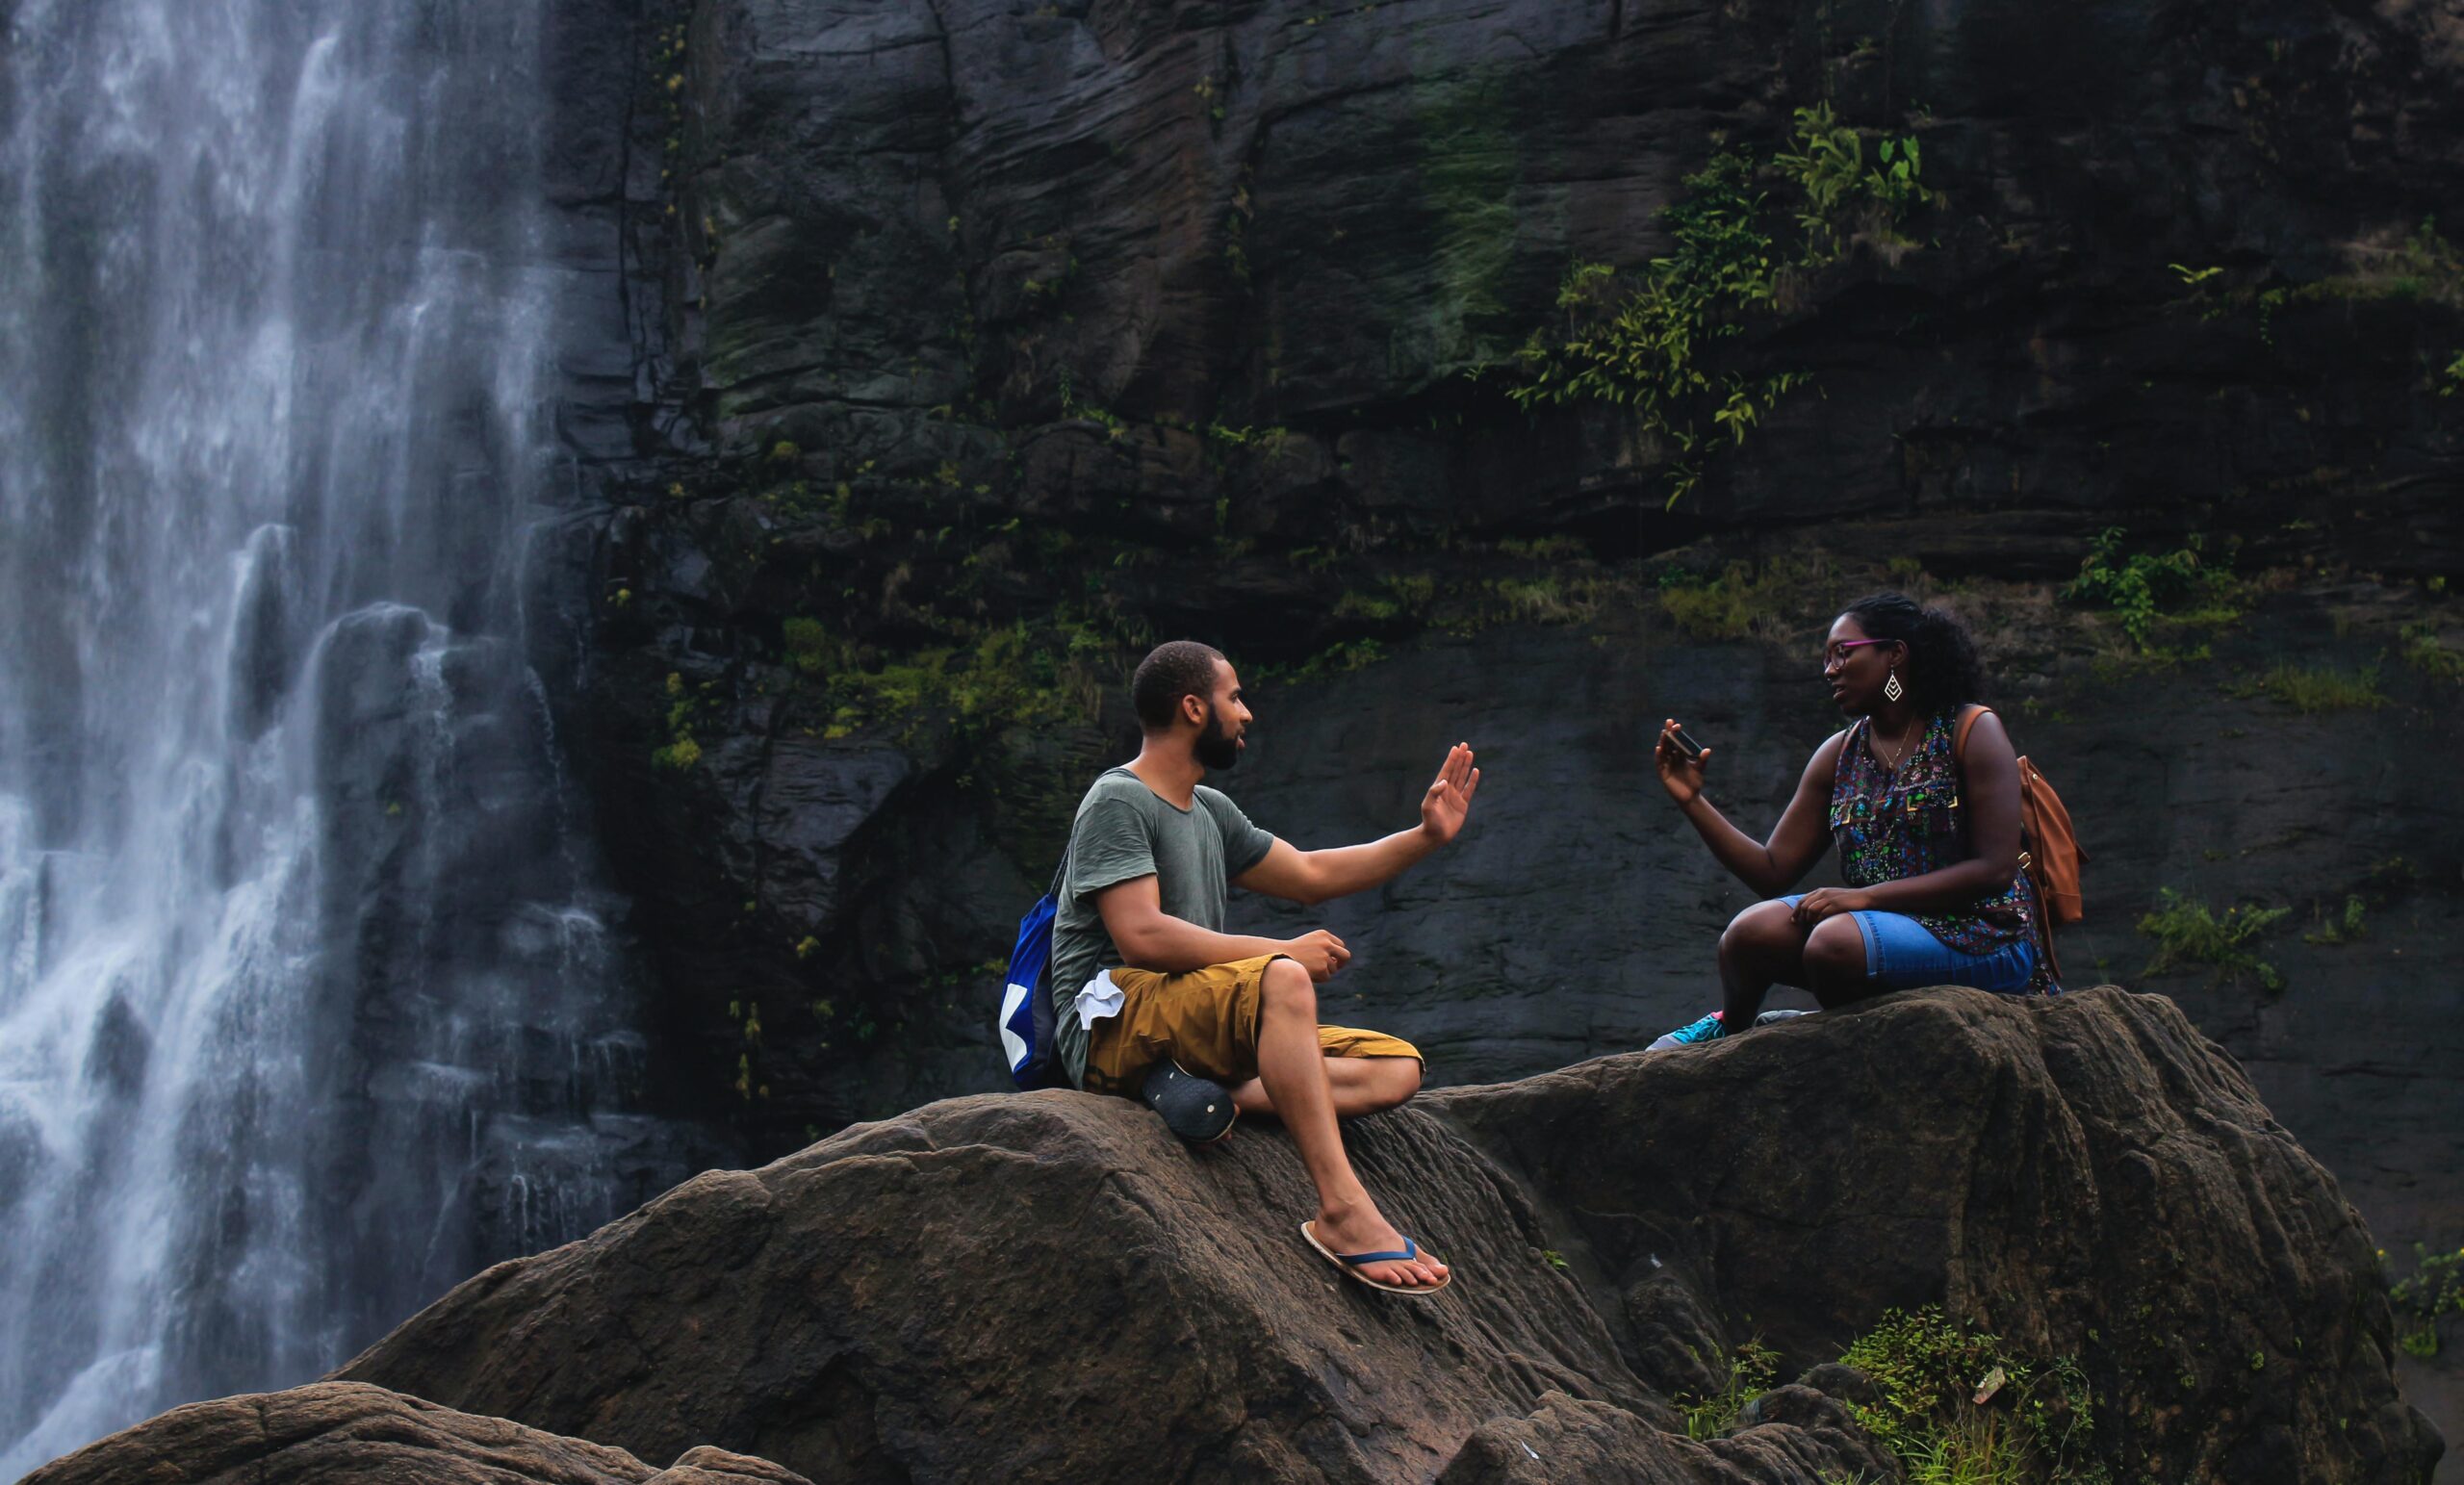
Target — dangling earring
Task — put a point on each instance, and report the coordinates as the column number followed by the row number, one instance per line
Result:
column 1891, row 688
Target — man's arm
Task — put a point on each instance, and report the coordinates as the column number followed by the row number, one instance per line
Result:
column 1315, row 876
column 1151, row 938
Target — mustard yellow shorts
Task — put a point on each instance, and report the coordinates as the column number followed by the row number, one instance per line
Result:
column 1207, row 1021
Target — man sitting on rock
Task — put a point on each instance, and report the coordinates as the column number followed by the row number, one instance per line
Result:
column 1153, row 999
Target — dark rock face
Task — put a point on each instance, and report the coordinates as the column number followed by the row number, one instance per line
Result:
column 944, row 317
column 342, row 1433
column 1046, row 1286
column 939, row 273
column 1268, row 213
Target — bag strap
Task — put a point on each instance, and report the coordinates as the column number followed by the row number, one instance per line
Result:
column 1968, row 724
column 2027, row 863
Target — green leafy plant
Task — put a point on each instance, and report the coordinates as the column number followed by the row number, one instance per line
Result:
column 808, row 643
column 2435, row 1289
column 2139, row 588
column 1958, row 1407
column 2188, row 933
column 1954, row 1403
column 2450, row 378
column 1643, row 346
column 1839, row 190
column 2424, row 651
column 680, row 752
column 1750, row 1374
column 1646, row 339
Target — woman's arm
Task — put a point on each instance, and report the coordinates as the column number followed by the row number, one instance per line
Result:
column 1803, row 835
column 1989, row 791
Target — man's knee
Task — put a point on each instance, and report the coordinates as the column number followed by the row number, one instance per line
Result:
column 1286, row 987
column 1385, row 1082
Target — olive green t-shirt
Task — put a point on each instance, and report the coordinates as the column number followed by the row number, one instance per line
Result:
column 1125, row 830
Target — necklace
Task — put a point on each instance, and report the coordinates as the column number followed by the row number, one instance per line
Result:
column 1906, row 738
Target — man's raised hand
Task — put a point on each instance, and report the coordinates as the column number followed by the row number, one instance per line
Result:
column 1449, row 800
column 1319, row 952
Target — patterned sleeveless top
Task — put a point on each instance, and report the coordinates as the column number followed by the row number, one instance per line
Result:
column 1891, row 825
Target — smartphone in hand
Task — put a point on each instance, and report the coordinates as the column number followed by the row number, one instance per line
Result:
column 1685, row 744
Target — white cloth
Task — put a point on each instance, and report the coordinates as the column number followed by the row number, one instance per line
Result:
column 1097, row 999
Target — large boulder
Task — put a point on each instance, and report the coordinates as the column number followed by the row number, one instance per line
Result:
column 346, row 1433
column 1047, row 1286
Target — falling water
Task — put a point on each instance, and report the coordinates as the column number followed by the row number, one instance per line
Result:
column 308, row 1007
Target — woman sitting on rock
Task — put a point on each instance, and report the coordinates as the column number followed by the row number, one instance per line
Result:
column 1926, row 819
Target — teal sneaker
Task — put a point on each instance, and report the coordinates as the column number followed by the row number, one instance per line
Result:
column 1711, row 1028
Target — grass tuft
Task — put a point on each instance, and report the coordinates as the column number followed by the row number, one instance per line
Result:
column 2311, row 690
column 2188, row 933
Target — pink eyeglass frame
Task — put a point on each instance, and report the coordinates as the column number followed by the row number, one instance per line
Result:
column 1830, row 653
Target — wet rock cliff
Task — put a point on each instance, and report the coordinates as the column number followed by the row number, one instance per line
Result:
column 976, row 344
column 954, row 352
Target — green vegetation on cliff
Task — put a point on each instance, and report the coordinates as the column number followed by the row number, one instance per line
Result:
column 1959, row 1407
column 1646, row 339
column 2190, row 934
column 2142, row 588
column 2310, row 689
column 2432, row 1292
column 1954, row 1403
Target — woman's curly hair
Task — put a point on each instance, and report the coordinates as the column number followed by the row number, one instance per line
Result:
column 1942, row 673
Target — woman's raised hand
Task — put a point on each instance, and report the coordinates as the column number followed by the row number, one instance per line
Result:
column 1681, row 776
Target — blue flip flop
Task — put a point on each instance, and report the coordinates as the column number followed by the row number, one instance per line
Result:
column 1349, row 1262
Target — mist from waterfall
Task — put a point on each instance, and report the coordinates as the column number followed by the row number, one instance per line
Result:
column 309, row 1005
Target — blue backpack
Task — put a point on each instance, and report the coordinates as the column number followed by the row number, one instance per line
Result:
column 1025, row 1023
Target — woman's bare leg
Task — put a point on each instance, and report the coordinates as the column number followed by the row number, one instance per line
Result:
column 1763, row 946
column 1835, row 962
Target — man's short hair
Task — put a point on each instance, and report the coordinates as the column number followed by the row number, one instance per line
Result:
column 1178, row 668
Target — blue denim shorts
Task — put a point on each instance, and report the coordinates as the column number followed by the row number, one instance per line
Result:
column 1902, row 953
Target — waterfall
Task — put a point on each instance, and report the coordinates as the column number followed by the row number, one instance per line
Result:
column 310, row 1004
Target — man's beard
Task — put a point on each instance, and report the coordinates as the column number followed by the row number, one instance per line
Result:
column 1217, row 749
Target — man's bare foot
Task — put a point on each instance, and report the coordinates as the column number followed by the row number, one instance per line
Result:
column 1360, row 1229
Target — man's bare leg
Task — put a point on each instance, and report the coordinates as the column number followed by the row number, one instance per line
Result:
column 1361, row 1084
column 1294, row 1071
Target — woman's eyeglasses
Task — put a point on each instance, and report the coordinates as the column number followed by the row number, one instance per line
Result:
column 1837, row 653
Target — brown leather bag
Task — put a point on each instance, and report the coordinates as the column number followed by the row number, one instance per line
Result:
column 2049, row 850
